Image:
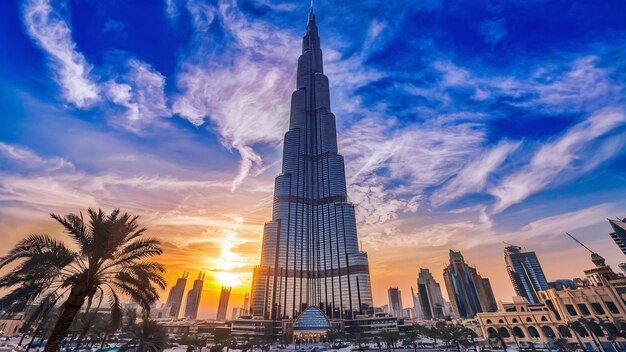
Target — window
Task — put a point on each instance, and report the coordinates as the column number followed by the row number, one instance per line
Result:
column 583, row 309
column 612, row 307
column 529, row 320
column 500, row 321
column 543, row 318
column 515, row 320
column 532, row 331
column 571, row 310
column 488, row 321
column 597, row 307
column 518, row 332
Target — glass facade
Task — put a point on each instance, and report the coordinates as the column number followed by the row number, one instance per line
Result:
column 310, row 255
column 430, row 297
column 525, row 272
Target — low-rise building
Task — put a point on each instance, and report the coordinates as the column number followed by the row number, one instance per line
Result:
column 593, row 314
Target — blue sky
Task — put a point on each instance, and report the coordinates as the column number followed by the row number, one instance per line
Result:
column 463, row 124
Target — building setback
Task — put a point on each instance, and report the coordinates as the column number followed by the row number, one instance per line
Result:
column 525, row 273
column 429, row 295
column 469, row 292
column 310, row 255
column 223, row 304
column 175, row 297
column 193, row 298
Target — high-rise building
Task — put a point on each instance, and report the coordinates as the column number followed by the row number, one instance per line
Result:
column 193, row 298
column 223, row 304
column 310, row 255
column 429, row 295
column 469, row 292
column 175, row 297
column 246, row 304
column 619, row 234
column 395, row 302
column 525, row 273
column 417, row 308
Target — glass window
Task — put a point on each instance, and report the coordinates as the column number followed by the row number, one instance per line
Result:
column 612, row 307
column 571, row 310
column 583, row 309
column 597, row 307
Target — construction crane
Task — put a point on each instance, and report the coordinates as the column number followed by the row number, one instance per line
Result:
column 580, row 243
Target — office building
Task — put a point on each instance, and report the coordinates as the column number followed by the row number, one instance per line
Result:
column 223, row 303
column 193, row 298
column 525, row 273
column 469, row 292
column 395, row 302
column 429, row 295
column 175, row 297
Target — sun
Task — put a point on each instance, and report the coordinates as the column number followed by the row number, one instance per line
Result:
column 227, row 279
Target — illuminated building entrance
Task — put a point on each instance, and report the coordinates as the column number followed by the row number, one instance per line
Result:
column 312, row 326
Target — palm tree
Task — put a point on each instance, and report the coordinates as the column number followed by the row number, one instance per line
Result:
column 111, row 259
column 148, row 336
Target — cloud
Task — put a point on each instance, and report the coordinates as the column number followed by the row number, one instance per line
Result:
column 389, row 166
column 53, row 34
column 474, row 175
column 555, row 157
column 246, row 95
column 142, row 93
column 494, row 31
column 29, row 160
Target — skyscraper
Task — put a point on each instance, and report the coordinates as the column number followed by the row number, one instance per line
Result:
column 417, row 307
column 223, row 304
column 429, row 295
column 525, row 272
column 469, row 292
column 395, row 302
column 175, row 297
column 193, row 298
column 246, row 303
column 310, row 254
column 619, row 236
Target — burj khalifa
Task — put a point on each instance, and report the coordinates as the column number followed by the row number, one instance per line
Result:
column 310, row 254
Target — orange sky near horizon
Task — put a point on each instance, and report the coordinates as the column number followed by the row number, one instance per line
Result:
column 226, row 248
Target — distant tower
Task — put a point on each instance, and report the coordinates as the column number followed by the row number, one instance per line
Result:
column 525, row 273
column 223, row 304
column 417, row 308
column 175, row 297
column 246, row 304
column 193, row 298
column 395, row 302
column 619, row 236
column 429, row 296
column 469, row 292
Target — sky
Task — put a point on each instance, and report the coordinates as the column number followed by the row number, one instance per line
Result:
column 464, row 124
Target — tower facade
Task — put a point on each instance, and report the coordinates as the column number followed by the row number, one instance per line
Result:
column 469, row 292
column 429, row 295
column 175, row 297
column 223, row 303
column 310, row 254
column 193, row 298
column 525, row 273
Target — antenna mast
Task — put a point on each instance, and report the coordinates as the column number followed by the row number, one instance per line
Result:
column 580, row 243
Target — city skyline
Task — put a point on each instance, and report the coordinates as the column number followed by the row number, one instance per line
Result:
column 459, row 129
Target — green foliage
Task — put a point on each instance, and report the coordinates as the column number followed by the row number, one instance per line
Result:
column 110, row 259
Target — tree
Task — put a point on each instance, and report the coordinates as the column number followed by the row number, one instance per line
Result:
column 111, row 259
column 148, row 336
column 390, row 338
column 411, row 337
column 560, row 344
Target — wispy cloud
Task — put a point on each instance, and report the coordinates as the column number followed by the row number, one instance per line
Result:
column 31, row 161
column 52, row 33
column 474, row 175
column 553, row 158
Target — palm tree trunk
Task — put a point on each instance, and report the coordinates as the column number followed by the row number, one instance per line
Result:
column 70, row 308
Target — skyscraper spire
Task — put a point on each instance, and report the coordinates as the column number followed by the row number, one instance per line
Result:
column 310, row 255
